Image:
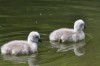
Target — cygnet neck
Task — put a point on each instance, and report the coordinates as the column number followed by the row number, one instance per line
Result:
column 30, row 41
column 78, row 30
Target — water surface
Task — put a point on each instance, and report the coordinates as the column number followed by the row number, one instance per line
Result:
column 19, row 17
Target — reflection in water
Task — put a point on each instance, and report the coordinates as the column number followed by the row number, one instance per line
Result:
column 31, row 60
column 78, row 48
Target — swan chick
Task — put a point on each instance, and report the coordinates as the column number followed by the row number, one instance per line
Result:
column 67, row 34
column 20, row 47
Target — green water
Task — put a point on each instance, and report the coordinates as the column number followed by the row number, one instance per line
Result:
column 19, row 17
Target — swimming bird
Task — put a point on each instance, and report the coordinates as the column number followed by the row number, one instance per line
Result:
column 20, row 47
column 67, row 34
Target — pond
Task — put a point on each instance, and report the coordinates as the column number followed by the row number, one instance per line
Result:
column 19, row 17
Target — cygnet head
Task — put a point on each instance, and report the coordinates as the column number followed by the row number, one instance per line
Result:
column 33, row 37
column 79, row 25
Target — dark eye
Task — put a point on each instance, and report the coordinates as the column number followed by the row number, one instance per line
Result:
column 81, row 25
column 36, row 37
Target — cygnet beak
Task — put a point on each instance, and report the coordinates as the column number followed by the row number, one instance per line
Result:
column 84, row 26
column 39, row 40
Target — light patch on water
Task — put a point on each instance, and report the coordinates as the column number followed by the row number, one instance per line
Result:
column 44, row 34
column 40, row 14
column 36, row 21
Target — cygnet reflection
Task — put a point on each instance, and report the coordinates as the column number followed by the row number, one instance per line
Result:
column 77, row 47
column 30, row 60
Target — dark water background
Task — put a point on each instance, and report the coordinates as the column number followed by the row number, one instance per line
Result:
column 19, row 17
